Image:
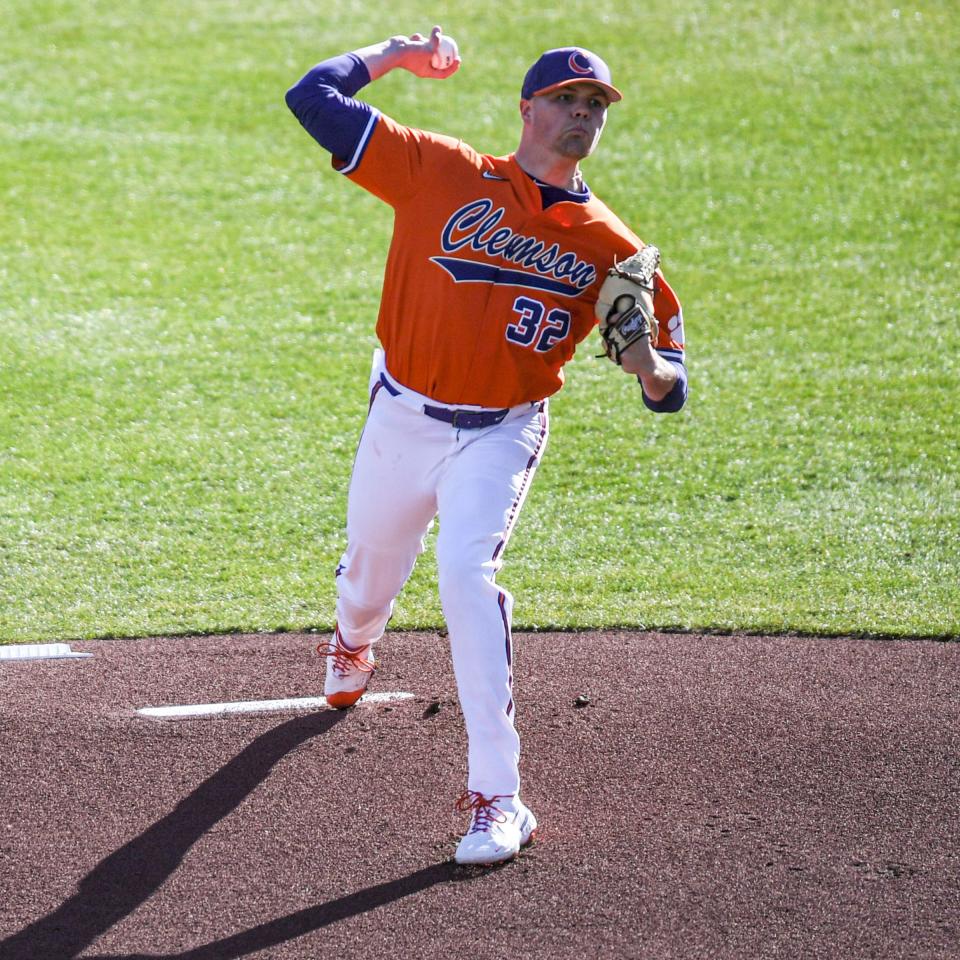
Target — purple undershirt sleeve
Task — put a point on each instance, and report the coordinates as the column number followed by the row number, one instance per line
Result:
column 323, row 101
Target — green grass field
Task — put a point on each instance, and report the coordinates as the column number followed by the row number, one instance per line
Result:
column 189, row 296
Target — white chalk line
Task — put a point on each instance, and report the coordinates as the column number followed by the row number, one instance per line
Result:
column 40, row 651
column 259, row 706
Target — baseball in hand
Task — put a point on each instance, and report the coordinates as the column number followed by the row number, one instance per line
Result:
column 445, row 53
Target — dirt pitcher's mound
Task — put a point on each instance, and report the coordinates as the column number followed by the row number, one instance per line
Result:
column 698, row 796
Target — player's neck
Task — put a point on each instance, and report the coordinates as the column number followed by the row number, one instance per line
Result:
column 556, row 171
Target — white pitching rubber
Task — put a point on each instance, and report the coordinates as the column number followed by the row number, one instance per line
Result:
column 258, row 706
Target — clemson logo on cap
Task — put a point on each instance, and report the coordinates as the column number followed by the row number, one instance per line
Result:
column 578, row 67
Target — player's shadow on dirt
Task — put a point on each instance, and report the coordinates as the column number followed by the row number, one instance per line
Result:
column 283, row 929
column 127, row 878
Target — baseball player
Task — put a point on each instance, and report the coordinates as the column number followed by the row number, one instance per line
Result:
column 493, row 276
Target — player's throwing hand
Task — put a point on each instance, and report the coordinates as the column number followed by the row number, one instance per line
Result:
column 435, row 57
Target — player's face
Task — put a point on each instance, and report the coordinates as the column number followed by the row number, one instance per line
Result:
column 569, row 120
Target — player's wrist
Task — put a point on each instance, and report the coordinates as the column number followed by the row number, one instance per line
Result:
column 639, row 358
column 381, row 58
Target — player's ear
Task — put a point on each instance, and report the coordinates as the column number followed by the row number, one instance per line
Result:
column 526, row 106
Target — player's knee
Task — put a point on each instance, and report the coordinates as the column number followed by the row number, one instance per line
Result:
column 456, row 573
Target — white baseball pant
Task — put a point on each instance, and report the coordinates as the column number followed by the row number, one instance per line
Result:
column 409, row 469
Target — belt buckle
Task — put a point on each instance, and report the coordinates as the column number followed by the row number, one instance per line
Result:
column 455, row 419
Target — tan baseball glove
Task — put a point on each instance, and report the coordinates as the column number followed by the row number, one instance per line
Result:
column 625, row 304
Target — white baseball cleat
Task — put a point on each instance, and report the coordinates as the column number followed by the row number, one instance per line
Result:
column 495, row 834
column 348, row 671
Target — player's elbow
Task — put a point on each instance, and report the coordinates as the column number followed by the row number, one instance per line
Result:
column 307, row 98
column 294, row 98
column 675, row 398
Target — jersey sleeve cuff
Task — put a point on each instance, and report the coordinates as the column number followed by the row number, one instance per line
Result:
column 352, row 162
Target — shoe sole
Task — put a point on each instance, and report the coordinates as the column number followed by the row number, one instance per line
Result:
column 341, row 701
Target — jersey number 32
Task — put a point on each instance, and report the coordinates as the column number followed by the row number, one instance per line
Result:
column 535, row 326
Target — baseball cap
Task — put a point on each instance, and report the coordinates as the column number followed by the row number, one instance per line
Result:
column 566, row 65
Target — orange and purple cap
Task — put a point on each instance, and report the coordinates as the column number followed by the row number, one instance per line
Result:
column 566, row 65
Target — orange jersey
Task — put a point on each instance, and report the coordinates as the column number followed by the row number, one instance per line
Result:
column 486, row 294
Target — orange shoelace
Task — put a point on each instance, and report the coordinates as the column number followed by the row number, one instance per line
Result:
column 344, row 660
column 484, row 810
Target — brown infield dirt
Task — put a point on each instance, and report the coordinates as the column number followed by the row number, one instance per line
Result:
column 716, row 797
